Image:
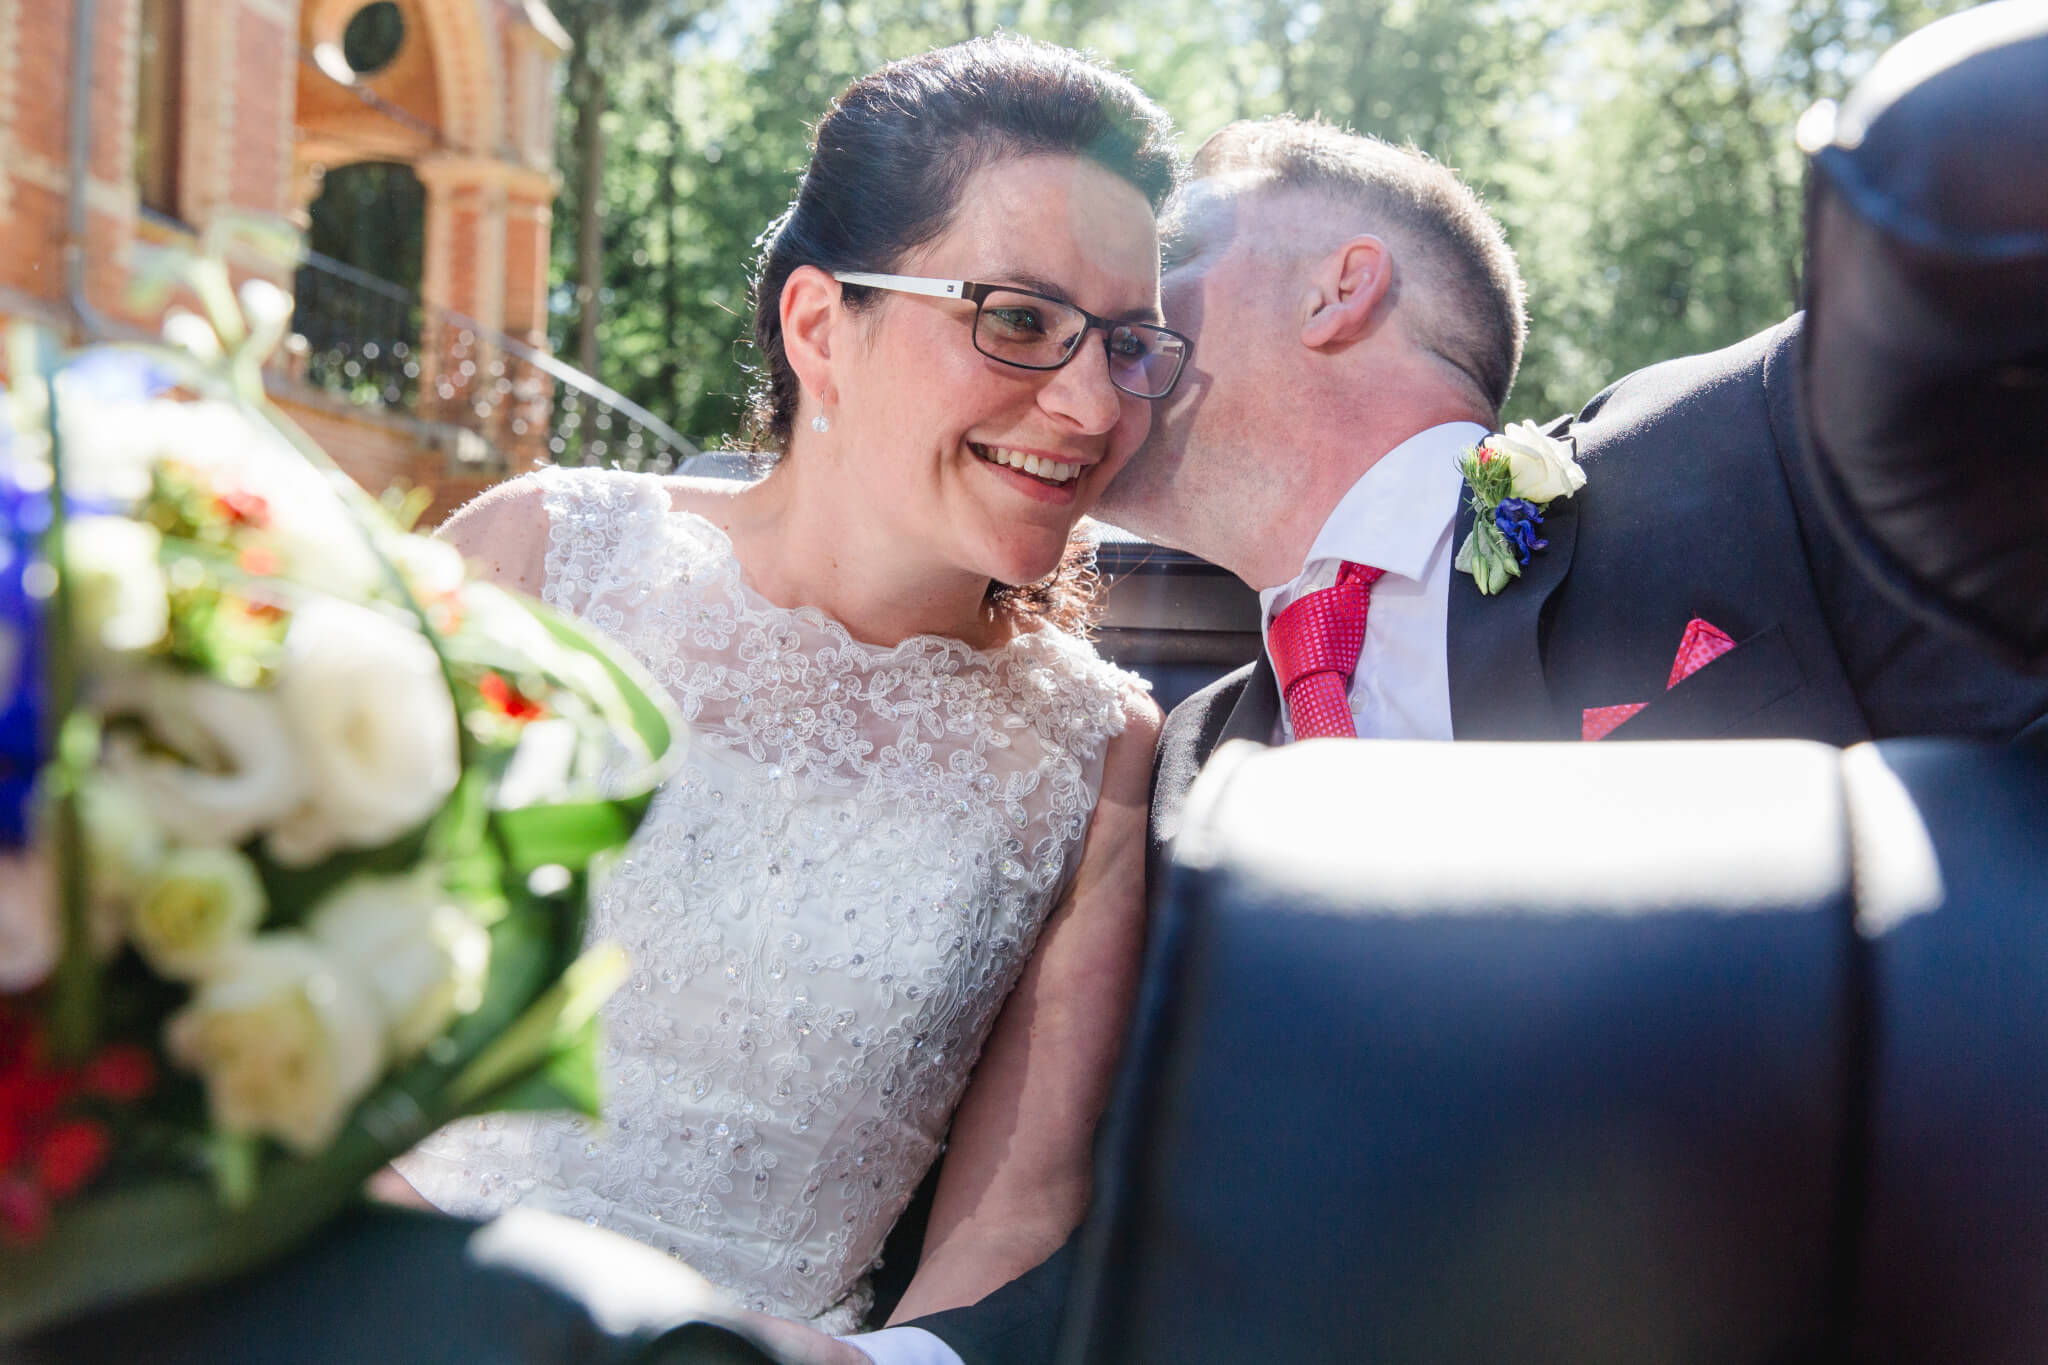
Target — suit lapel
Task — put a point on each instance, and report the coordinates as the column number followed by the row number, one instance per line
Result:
column 1257, row 713
column 1493, row 643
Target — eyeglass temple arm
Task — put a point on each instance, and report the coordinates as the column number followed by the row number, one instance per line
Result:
column 905, row 284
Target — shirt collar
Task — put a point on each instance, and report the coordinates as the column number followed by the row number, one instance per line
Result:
column 1395, row 515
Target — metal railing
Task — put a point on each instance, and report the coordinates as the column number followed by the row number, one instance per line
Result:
column 373, row 343
column 362, row 334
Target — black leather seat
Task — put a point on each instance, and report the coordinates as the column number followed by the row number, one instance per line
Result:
column 1725, row 1052
column 1952, row 1252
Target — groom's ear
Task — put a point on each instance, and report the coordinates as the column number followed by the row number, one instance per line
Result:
column 810, row 310
column 1346, row 292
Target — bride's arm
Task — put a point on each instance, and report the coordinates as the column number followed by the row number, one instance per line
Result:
column 1017, row 1174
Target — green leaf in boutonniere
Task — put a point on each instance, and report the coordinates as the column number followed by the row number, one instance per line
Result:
column 1513, row 478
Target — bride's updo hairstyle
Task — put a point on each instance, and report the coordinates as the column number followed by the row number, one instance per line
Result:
column 888, row 163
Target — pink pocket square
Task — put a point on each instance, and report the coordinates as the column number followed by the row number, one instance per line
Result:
column 1703, row 643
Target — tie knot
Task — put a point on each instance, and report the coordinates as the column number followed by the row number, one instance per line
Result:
column 1322, row 632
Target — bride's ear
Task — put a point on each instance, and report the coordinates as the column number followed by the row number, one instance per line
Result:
column 811, row 317
column 1347, row 293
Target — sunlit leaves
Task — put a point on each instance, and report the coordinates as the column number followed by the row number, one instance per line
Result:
column 1639, row 151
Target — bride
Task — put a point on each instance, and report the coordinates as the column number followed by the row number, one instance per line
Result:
column 894, row 898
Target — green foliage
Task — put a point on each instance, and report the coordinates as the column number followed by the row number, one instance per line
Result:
column 1639, row 151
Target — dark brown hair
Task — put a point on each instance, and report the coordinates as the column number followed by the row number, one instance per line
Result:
column 888, row 163
column 1405, row 193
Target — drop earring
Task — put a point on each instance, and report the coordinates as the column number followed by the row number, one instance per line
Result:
column 821, row 424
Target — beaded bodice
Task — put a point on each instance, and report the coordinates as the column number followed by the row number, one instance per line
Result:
column 825, row 908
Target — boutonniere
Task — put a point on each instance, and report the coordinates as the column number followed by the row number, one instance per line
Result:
column 1514, row 477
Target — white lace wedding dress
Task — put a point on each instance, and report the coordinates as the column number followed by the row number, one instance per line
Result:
column 825, row 908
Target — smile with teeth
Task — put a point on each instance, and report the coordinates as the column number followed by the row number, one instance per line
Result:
column 1046, row 470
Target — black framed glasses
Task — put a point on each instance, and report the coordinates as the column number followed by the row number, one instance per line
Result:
column 1036, row 331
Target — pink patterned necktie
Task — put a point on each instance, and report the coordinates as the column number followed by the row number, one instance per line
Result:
column 1315, row 645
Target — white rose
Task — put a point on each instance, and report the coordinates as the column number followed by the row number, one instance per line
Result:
column 423, row 956
column 117, row 589
column 373, row 725
column 1543, row 468
column 231, row 768
column 29, row 933
column 200, row 902
column 285, row 1042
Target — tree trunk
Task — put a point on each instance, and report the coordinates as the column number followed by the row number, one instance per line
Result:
column 587, row 85
column 672, row 272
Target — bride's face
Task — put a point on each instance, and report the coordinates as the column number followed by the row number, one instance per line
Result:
column 935, row 421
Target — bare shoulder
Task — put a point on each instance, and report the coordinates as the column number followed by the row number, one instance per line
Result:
column 1142, row 717
column 1128, row 764
column 715, row 500
column 503, row 531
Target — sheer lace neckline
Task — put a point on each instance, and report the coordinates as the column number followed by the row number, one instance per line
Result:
column 719, row 543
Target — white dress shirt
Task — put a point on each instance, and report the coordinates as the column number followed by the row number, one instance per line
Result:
column 1398, row 518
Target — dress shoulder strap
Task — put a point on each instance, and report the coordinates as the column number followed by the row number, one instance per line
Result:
column 1074, row 695
column 601, row 523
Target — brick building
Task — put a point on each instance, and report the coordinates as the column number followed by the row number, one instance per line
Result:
column 188, row 108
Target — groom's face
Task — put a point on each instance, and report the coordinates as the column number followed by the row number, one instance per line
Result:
column 1220, row 288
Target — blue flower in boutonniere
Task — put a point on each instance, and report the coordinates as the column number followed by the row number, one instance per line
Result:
column 1518, row 519
column 1514, row 477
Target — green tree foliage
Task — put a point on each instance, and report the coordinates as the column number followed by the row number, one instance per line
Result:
column 1639, row 151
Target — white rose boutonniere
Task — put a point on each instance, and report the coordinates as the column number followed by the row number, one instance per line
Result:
column 1514, row 477
column 1542, row 468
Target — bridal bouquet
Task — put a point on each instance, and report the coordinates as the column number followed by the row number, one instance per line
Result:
column 295, row 822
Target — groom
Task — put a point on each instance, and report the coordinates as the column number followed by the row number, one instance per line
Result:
column 1358, row 317
column 1358, row 320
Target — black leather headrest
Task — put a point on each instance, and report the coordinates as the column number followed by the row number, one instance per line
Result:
column 1925, row 375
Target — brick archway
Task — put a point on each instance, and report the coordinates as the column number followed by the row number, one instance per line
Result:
column 472, row 107
column 468, row 103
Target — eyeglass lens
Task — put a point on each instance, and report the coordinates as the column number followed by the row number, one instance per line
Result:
column 1040, row 333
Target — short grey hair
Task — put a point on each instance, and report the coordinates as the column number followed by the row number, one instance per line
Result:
column 1406, row 194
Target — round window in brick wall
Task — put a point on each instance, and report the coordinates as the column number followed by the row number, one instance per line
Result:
column 372, row 38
